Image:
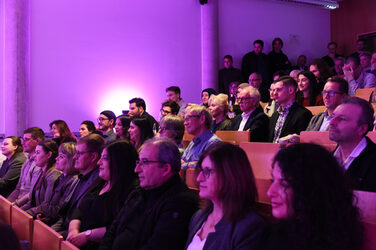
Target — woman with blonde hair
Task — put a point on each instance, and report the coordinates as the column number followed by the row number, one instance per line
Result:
column 218, row 107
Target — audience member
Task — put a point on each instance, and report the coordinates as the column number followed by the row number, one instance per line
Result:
column 255, row 80
column 122, row 125
column 253, row 118
column 308, row 94
column 290, row 117
column 10, row 171
column 365, row 61
column 278, row 60
column 227, row 75
column 218, row 107
column 169, row 108
column 137, row 109
column 106, row 123
column 88, row 151
column 205, row 95
column 321, row 71
column 373, row 63
column 332, row 55
column 356, row 153
column 45, row 158
column 306, row 182
column 357, row 78
column 139, row 131
column 174, row 94
column 61, row 132
column 29, row 171
column 197, row 122
column 278, row 74
column 335, row 91
column 294, row 74
column 360, row 47
column 227, row 220
column 339, row 62
column 233, row 90
column 87, row 128
column 102, row 205
column 272, row 106
column 172, row 127
column 256, row 61
column 158, row 215
column 301, row 63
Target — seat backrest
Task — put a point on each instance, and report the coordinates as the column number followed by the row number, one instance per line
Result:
column 22, row 224
column 237, row 136
column 45, row 237
column 5, row 210
column 318, row 137
column 366, row 202
column 262, row 189
column 372, row 136
column 369, row 235
column 260, row 155
column 66, row 245
column 190, row 179
column 316, row 109
column 187, row 137
column 364, row 93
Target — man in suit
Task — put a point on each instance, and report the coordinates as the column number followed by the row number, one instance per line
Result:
column 355, row 152
column 290, row 117
column 253, row 117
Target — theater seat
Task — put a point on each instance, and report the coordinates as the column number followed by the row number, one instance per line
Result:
column 231, row 136
column 5, row 210
column 22, row 224
column 66, row 245
column 45, row 237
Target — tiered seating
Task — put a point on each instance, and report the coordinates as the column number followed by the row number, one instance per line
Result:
column 234, row 136
column 45, row 237
column 364, row 93
column 316, row 109
column 5, row 210
column 318, row 137
column 22, row 224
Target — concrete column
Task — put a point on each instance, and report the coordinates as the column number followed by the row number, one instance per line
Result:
column 16, row 65
column 209, row 44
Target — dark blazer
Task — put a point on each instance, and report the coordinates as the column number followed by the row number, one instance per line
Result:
column 10, row 173
column 297, row 120
column 316, row 122
column 242, row 234
column 257, row 124
column 362, row 170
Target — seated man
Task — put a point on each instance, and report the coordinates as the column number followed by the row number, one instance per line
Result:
column 174, row 94
column 29, row 171
column 158, row 215
column 106, row 123
column 255, row 80
column 290, row 117
column 365, row 61
column 253, row 117
column 197, row 122
column 137, row 109
column 355, row 152
column 357, row 78
column 169, row 108
column 335, row 91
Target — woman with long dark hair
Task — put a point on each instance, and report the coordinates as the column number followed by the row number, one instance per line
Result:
column 121, row 127
column 308, row 93
column 313, row 202
column 101, row 206
column 87, row 128
column 61, row 132
column 139, row 131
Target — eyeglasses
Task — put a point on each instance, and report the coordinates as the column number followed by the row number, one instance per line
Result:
column 78, row 154
column 330, row 93
column 143, row 162
column 101, row 119
column 165, row 111
column 189, row 117
column 26, row 139
column 206, row 172
column 243, row 99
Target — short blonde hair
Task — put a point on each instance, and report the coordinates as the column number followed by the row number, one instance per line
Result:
column 220, row 100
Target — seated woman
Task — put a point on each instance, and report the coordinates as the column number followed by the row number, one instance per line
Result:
column 121, row 127
column 227, row 219
column 139, row 131
column 87, row 128
column 11, row 169
column 218, row 107
column 61, row 132
column 62, row 188
column 100, row 208
column 205, row 95
column 45, row 158
column 308, row 94
column 313, row 202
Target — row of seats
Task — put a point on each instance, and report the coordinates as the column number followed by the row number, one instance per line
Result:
column 36, row 233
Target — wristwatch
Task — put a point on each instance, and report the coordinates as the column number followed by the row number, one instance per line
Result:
column 88, row 234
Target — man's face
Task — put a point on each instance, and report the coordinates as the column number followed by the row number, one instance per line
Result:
column 193, row 122
column 150, row 174
column 332, row 95
column 332, row 49
column 272, row 91
column 365, row 61
column 338, row 65
column 104, row 123
column 257, row 48
column 227, row 63
column 277, row 46
column 29, row 143
column 83, row 158
column 166, row 110
column 344, row 125
column 172, row 96
column 134, row 111
column 255, row 80
column 246, row 102
column 360, row 45
column 301, row 61
column 315, row 70
column 282, row 94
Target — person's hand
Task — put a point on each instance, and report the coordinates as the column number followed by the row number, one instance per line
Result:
column 42, row 218
column 348, row 72
column 71, row 234
column 79, row 239
column 294, row 138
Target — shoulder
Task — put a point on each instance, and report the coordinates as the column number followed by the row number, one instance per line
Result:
column 250, row 223
column 299, row 109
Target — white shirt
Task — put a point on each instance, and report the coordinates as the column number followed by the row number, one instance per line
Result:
column 197, row 243
column 355, row 153
column 244, row 120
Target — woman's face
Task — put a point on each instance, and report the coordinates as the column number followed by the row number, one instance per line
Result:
column 41, row 157
column 207, row 180
column 104, row 166
column 84, row 131
column 315, row 70
column 63, row 163
column 215, row 109
column 7, row 148
column 54, row 131
column 119, row 129
column 303, row 83
column 134, row 132
column 280, row 194
column 205, row 97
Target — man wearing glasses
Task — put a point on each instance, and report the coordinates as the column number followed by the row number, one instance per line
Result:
column 106, row 123
column 157, row 215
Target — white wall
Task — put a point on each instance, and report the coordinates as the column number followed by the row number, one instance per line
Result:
column 304, row 29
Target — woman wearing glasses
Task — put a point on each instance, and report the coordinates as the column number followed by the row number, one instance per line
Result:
column 102, row 205
column 226, row 219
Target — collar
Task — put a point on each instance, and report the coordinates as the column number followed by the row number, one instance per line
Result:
column 282, row 110
column 354, row 154
column 246, row 115
column 87, row 176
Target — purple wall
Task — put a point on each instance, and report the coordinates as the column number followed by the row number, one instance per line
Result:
column 2, row 129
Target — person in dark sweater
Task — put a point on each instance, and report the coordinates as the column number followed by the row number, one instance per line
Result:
column 228, row 75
